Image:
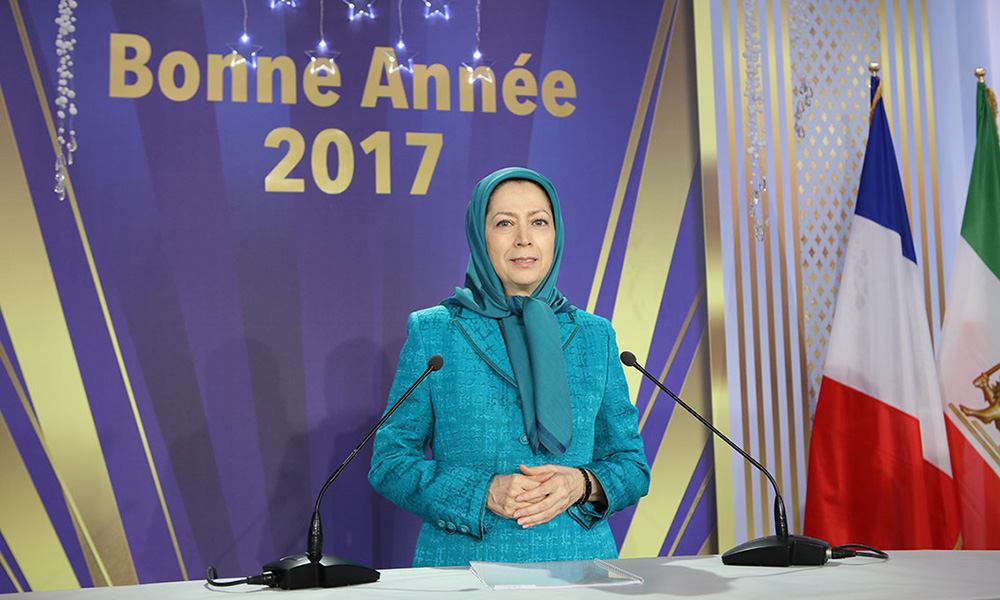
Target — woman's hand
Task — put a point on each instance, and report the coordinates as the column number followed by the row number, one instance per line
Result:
column 561, row 489
column 505, row 489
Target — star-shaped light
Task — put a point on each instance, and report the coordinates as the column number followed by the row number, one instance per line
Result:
column 400, row 59
column 477, row 61
column 360, row 8
column 437, row 8
column 322, row 59
column 244, row 52
column 280, row 3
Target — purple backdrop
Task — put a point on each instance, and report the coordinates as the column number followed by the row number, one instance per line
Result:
column 260, row 330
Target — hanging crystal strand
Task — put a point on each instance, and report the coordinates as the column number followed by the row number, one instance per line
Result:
column 759, row 225
column 65, row 94
column 71, row 146
column 802, row 92
column 754, row 95
column 60, row 187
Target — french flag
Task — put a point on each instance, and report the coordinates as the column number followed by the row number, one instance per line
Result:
column 879, row 467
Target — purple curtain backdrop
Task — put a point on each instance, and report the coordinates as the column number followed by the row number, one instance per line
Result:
column 260, row 330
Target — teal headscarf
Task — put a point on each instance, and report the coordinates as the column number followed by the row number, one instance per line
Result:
column 528, row 323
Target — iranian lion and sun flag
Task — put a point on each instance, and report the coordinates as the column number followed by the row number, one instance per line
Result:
column 905, row 452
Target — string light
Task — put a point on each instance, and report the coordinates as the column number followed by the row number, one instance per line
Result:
column 65, row 94
column 244, row 51
column 400, row 59
column 400, row 45
column 246, row 18
column 477, row 68
column 360, row 8
column 436, row 8
column 323, row 58
column 477, row 55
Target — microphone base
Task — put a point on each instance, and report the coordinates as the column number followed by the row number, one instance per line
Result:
column 297, row 572
column 779, row 551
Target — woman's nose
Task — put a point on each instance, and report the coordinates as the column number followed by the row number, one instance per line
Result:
column 523, row 239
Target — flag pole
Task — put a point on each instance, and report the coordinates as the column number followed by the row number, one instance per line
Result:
column 981, row 74
column 873, row 67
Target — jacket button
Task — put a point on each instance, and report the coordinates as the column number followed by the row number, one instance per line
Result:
column 463, row 529
column 523, row 439
column 440, row 523
column 450, row 526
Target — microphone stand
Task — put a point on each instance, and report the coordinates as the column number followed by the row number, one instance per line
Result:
column 780, row 550
column 315, row 569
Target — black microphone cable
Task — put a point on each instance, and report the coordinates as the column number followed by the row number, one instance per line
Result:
column 849, row 550
column 265, row 578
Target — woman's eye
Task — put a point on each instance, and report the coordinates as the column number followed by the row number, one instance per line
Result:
column 504, row 223
column 541, row 222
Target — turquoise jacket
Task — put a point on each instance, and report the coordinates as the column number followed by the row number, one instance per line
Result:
column 469, row 415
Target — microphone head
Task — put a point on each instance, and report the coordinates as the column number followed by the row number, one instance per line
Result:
column 435, row 362
column 628, row 359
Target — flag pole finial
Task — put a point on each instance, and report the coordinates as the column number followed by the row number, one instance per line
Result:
column 873, row 67
column 981, row 74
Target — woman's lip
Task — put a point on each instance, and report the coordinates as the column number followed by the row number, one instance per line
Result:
column 524, row 261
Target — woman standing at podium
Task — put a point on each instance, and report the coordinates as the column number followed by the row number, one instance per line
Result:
column 533, row 438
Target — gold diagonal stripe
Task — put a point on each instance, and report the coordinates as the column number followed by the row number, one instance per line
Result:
column 796, row 240
column 652, row 68
column 918, row 149
column 667, row 172
column 676, row 460
column 754, row 299
column 793, row 430
column 729, row 78
column 99, row 572
column 775, row 180
column 659, row 209
column 714, row 272
column 708, row 547
column 17, row 184
column 88, row 546
column 10, row 574
column 99, row 288
column 8, row 366
column 898, row 89
column 883, row 36
column 25, row 524
column 690, row 512
column 932, row 151
column 783, row 275
column 40, row 339
column 673, row 353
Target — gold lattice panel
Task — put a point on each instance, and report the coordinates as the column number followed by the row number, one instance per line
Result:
column 841, row 38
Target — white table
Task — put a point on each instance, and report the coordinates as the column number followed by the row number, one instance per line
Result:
column 912, row 575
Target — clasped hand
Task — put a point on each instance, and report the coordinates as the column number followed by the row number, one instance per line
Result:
column 536, row 494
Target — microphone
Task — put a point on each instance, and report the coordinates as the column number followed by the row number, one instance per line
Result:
column 781, row 550
column 315, row 569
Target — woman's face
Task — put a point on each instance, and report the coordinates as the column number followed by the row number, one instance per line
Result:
column 520, row 236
